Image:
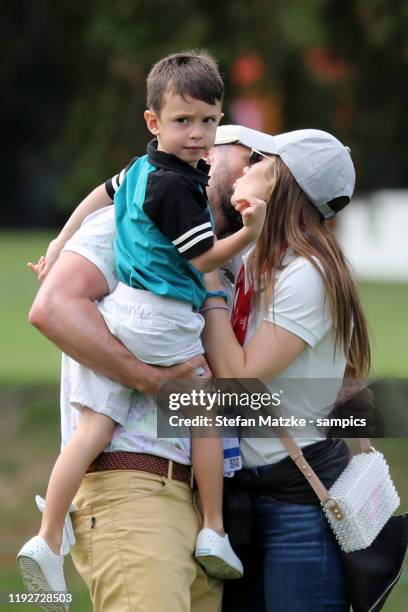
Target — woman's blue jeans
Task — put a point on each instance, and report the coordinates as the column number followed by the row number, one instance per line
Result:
column 295, row 567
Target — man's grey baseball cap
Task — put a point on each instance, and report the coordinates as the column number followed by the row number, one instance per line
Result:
column 321, row 164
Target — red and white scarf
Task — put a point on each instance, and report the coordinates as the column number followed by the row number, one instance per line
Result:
column 242, row 307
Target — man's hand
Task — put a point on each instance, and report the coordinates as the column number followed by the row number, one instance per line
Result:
column 253, row 211
column 45, row 263
column 187, row 369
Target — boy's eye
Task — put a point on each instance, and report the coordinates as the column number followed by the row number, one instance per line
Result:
column 209, row 120
column 182, row 120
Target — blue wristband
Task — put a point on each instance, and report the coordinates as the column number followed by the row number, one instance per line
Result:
column 219, row 293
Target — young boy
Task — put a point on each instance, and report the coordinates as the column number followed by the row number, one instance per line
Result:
column 165, row 241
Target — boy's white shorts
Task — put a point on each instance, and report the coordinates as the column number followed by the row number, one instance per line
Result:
column 158, row 330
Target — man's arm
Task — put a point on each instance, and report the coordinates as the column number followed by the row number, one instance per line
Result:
column 63, row 310
column 98, row 198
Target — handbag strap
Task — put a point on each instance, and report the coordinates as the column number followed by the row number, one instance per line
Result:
column 297, row 456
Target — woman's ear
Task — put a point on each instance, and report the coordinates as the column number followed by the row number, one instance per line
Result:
column 152, row 122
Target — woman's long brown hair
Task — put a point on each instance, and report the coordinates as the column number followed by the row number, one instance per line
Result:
column 293, row 222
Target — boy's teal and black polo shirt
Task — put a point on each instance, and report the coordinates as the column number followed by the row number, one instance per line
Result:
column 162, row 221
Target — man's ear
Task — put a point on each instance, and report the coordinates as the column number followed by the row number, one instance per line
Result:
column 152, row 122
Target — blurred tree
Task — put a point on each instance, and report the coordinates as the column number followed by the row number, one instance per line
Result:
column 372, row 37
column 39, row 76
column 74, row 83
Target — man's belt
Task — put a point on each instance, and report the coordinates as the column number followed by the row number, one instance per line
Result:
column 122, row 460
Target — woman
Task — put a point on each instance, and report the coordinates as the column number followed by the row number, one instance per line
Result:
column 297, row 315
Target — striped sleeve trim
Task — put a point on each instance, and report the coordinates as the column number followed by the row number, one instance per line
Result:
column 191, row 232
column 109, row 189
column 117, row 180
column 113, row 184
column 195, row 240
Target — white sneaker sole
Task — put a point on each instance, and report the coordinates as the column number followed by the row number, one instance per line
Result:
column 35, row 582
column 217, row 568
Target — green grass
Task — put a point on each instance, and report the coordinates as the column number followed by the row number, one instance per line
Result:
column 10, row 582
column 29, row 444
column 29, row 413
column 25, row 356
column 386, row 307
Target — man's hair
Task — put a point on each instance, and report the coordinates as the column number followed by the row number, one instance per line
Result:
column 188, row 73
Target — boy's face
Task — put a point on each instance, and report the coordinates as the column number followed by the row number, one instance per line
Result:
column 185, row 127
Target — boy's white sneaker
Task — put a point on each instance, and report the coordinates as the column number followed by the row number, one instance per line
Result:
column 42, row 571
column 215, row 554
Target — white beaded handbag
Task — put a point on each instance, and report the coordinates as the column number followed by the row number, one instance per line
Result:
column 362, row 499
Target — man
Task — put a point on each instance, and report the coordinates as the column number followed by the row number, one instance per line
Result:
column 135, row 524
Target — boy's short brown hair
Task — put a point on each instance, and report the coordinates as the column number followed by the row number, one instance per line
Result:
column 189, row 73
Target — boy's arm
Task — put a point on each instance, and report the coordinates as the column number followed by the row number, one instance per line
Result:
column 253, row 213
column 180, row 212
column 64, row 311
column 98, row 198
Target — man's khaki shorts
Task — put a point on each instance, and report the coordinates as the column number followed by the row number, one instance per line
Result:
column 136, row 535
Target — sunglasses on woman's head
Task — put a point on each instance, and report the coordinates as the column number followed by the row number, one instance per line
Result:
column 257, row 156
